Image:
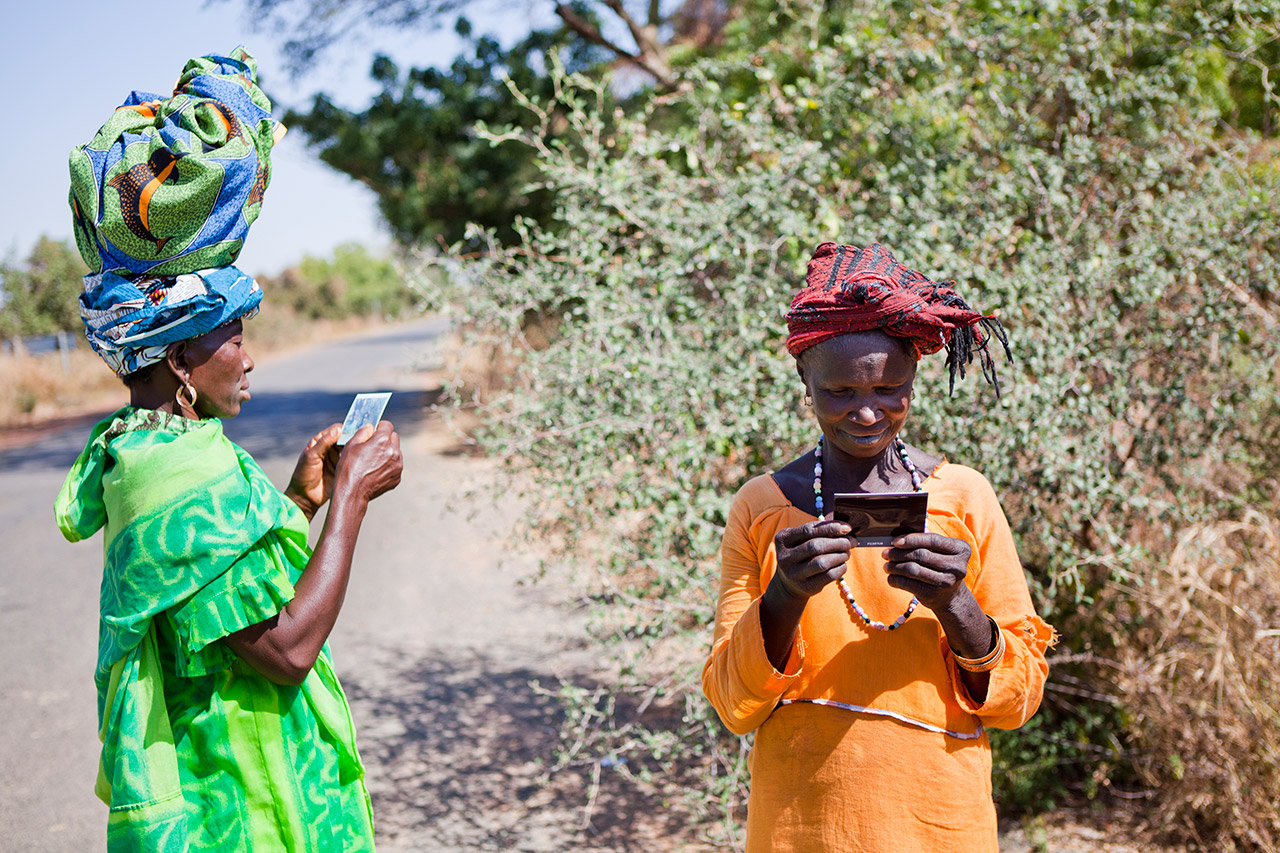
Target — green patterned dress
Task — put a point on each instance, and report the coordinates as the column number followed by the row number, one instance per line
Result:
column 199, row 751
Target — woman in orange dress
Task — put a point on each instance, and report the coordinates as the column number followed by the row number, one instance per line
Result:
column 869, row 675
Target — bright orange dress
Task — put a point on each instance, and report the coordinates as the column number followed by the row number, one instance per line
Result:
column 896, row 758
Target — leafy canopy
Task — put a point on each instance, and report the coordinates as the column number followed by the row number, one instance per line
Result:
column 417, row 146
column 40, row 296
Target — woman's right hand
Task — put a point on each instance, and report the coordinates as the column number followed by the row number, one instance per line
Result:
column 370, row 464
column 810, row 557
column 284, row 648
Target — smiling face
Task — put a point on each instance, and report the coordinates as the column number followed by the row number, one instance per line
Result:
column 861, row 389
column 217, row 364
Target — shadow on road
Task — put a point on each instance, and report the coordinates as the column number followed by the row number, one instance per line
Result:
column 457, row 750
column 56, row 449
column 271, row 424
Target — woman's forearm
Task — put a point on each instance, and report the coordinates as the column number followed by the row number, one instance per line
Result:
column 780, row 614
column 285, row 648
column 970, row 635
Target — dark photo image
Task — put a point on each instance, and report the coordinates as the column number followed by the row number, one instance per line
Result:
column 879, row 519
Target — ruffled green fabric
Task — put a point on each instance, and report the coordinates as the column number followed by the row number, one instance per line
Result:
column 179, row 505
column 81, row 509
column 200, row 751
column 255, row 588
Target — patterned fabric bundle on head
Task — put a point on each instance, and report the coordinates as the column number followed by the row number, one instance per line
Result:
column 849, row 289
column 161, row 199
column 170, row 186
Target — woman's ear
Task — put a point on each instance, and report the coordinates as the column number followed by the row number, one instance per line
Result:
column 808, row 397
column 175, row 358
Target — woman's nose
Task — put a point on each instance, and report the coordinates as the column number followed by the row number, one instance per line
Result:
column 865, row 415
column 248, row 361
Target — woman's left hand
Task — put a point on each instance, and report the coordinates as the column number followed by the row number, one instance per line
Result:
column 312, row 481
column 930, row 566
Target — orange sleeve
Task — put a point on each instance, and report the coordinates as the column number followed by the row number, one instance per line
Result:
column 1000, row 586
column 738, row 678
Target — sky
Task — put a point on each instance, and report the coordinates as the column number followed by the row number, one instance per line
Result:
column 67, row 64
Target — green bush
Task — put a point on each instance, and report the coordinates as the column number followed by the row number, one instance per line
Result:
column 1071, row 165
column 353, row 283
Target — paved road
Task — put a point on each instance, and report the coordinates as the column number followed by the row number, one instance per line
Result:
column 437, row 643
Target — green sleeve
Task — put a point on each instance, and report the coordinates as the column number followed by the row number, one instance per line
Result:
column 255, row 588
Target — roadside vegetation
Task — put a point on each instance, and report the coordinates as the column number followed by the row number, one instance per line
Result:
column 1103, row 175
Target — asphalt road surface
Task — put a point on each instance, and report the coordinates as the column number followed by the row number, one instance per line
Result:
column 438, row 643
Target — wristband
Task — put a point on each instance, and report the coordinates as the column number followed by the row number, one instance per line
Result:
column 987, row 662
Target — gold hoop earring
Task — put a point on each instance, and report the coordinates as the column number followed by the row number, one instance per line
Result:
column 186, row 404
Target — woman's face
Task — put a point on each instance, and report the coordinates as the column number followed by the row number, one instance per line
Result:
column 861, row 389
column 218, row 364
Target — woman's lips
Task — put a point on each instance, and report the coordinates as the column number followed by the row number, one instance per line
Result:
column 872, row 438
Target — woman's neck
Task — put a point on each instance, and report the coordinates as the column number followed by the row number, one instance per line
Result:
column 146, row 396
column 845, row 473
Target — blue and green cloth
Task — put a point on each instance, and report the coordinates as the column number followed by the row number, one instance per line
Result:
column 170, row 185
column 130, row 322
column 162, row 199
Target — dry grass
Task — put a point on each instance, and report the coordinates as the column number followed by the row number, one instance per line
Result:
column 1201, row 671
column 475, row 375
column 39, row 387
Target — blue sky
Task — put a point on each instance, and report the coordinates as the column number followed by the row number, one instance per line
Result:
column 67, row 64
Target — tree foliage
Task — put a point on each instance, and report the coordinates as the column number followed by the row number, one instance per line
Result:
column 40, row 296
column 417, row 147
column 1099, row 173
column 638, row 36
column 416, row 144
column 353, row 283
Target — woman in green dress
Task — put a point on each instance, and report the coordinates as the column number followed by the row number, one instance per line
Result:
column 223, row 725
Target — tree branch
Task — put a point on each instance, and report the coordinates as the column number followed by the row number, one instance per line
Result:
column 651, row 58
column 646, row 36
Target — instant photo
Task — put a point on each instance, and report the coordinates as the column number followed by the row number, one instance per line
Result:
column 365, row 409
column 878, row 519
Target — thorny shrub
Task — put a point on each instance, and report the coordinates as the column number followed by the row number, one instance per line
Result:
column 1129, row 243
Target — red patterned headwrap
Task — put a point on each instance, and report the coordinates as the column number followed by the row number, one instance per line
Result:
column 848, row 289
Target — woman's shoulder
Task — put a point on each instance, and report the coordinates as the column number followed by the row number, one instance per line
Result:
column 759, row 509
column 760, row 493
column 961, row 482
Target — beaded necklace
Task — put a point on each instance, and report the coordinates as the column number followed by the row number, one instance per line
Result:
column 917, row 483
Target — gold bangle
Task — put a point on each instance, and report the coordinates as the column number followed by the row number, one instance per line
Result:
column 987, row 662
